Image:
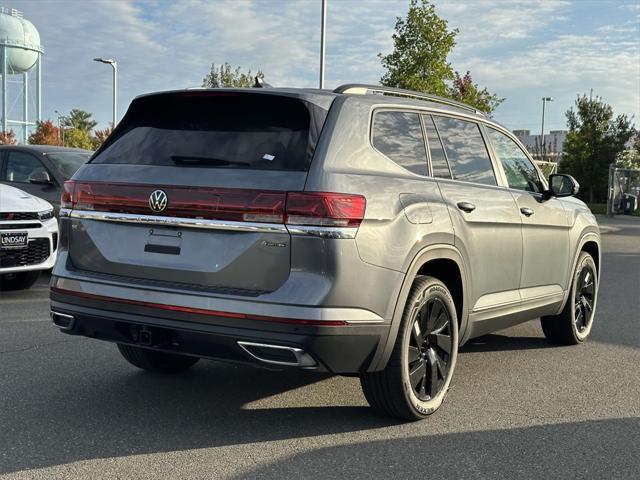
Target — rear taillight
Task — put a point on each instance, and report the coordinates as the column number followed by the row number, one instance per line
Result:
column 324, row 209
column 67, row 198
column 229, row 204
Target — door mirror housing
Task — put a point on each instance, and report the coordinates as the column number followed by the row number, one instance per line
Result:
column 40, row 177
column 562, row 185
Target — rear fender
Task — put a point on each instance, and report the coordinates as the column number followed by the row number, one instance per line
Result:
column 432, row 252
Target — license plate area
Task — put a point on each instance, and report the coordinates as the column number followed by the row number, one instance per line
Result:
column 13, row 240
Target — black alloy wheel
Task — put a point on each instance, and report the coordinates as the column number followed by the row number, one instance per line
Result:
column 584, row 298
column 430, row 349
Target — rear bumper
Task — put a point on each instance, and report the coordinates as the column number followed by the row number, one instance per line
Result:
column 345, row 348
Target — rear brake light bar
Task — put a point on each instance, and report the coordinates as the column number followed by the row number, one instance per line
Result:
column 317, row 209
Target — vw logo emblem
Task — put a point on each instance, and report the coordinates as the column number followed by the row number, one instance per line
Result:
column 158, row 201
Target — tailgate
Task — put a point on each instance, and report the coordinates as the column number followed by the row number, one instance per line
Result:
column 190, row 189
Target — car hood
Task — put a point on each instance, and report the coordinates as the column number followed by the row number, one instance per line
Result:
column 15, row 200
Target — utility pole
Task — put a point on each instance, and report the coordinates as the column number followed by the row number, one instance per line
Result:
column 544, row 101
column 323, row 41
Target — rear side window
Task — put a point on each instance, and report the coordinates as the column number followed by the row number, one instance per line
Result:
column 217, row 130
column 439, row 164
column 398, row 135
column 466, row 151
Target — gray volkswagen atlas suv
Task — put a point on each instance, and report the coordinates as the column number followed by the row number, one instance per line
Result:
column 363, row 231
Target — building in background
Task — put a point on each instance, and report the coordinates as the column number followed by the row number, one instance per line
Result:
column 553, row 141
column 20, row 53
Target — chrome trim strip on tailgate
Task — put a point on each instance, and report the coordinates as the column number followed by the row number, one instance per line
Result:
column 184, row 222
column 181, row 222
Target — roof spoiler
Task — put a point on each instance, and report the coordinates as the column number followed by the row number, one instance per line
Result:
column 260, row 83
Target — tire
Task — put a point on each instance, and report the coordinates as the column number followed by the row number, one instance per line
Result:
column 154, row 361
column 413, row 396
column 573, row 325
column 19, row 281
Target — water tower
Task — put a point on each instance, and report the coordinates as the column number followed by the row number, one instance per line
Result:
column 20, row 52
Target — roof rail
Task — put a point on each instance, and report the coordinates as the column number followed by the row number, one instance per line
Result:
column 364, row 89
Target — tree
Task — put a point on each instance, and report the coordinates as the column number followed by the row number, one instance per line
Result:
column 636, row 141
column 594, row 140
column 101, row 136
column 629, row 159
column 8, row 138
column 77, row 138
column 464, row 90
column 224, row 76
column 80, row 120
column 421, row 44
column 46, row 133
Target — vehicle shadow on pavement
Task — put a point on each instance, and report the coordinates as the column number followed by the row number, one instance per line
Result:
column 565, row 450
column 499, row 343
column 130, row 412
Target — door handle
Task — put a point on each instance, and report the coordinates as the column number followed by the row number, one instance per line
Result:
column 466, row 206
column 526, row 211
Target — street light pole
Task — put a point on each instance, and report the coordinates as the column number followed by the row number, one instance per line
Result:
column 323, row 41
column 60, row 126
column 114, row 66
column 544, row 101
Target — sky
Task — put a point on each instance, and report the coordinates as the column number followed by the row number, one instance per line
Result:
column 520, row 49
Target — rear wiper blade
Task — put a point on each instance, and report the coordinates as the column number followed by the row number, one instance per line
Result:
column 204, row 160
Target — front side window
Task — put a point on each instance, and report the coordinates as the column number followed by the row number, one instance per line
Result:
column 520, row 172
column 466, row 151
column 398, row 135
column 21, row 166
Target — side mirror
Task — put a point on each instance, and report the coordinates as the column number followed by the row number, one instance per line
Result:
column 40, row 177
column 561, row 185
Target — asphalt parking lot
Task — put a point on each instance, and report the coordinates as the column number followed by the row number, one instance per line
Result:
column 519, row 407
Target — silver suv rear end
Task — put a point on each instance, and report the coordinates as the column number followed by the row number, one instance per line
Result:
column 191, row 231
column 342, row 231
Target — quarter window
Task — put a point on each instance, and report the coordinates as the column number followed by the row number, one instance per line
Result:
column 466, row 151
column 398, row 135
column 520, row 172
column 439, row 164
column 21, row 166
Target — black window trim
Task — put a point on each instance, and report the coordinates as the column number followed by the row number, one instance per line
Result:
column 482, row 123
column 426, row 138
column 424, row 142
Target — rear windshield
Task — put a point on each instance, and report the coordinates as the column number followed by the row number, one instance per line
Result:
column 217, row 130
column 69, row 162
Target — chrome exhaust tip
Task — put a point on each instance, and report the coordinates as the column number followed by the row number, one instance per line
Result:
column 278, row 354
column 62, row 320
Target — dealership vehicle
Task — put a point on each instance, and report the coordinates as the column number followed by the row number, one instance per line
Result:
column 40, row 170
column 28, row 238
column 363, row 231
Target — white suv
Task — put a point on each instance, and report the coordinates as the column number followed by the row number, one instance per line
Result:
column 28, row 238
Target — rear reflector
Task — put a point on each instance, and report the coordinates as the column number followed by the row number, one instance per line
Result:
column 230, row 204
column 200, row 311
